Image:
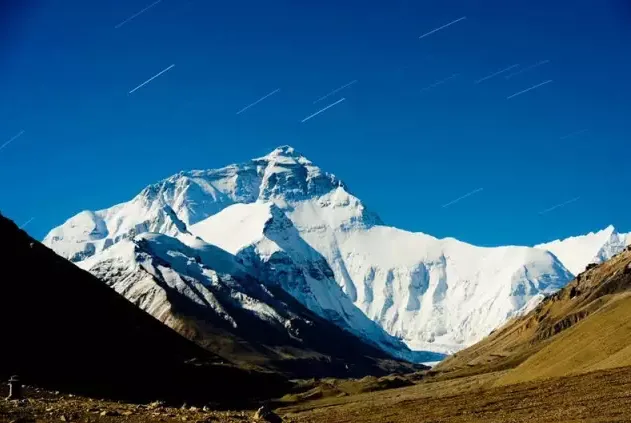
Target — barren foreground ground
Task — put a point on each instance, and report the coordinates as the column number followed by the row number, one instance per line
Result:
column 40, row 406
column 603, row 396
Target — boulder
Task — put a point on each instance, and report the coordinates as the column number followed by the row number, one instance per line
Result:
column 264, row 414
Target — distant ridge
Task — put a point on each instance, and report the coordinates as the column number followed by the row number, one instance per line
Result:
column 577, row 252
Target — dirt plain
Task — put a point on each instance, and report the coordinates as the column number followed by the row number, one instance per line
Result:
column 602, row 396
column 43, row 406
column 596, row 397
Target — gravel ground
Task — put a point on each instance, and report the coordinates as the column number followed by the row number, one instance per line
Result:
column 603, row 396
column 43, row 406
column 598, row 397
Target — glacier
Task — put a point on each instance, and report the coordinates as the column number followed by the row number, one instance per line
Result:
column 292, row 224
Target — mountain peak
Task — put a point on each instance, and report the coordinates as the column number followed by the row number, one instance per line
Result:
column 284, row 150
column 283, row 153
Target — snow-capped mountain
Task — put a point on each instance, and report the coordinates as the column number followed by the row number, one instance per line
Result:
column 189, row 197
column 577, row 252
column 148, row 267
column 435, row 294
column 206, row 294
column 265, row 240
column 292, row 225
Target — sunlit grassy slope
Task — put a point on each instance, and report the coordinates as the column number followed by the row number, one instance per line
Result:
column 586, row 326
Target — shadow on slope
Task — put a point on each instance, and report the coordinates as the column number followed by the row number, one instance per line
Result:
column 64, row 329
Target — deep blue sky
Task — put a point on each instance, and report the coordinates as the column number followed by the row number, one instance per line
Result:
column 65, row 73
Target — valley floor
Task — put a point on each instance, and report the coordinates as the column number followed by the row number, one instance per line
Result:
column 603, row 396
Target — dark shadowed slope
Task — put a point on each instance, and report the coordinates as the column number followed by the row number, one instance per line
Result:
column 584, row 327
column 64, row 329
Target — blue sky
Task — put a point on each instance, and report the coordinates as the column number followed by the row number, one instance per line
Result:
column 87, row 144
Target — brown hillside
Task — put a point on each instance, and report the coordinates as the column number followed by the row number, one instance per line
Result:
column 583, row 327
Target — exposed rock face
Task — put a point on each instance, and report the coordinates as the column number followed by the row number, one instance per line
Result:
column 209, row 296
